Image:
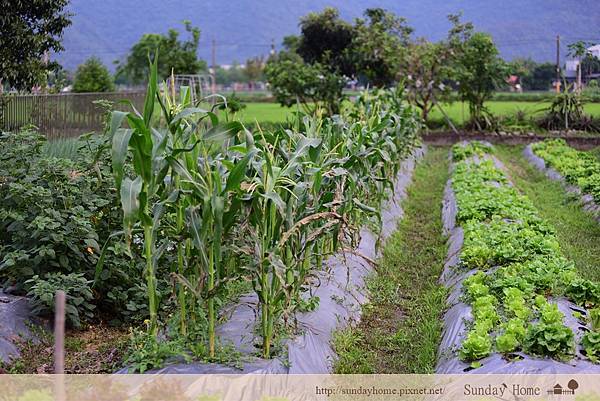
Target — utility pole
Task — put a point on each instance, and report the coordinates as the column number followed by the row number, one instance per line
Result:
column 214, row 67
column 557, row 63
column 46, row 61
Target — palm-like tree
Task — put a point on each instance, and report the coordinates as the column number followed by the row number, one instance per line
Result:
column 578, row 50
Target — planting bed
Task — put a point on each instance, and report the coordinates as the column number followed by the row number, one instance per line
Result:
column 223, row 249
column 341, row 293
column 175, row 215
column 579, row 171
column 516, row 305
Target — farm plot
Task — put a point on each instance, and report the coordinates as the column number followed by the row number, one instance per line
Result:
column 579, row 170
column 516, row 303
column 209, row 211
column 576, row 230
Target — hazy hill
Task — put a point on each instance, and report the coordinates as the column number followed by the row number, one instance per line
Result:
column 244, row 28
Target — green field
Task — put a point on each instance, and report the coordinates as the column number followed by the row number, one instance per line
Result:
column 266, row 112
column 458, row 112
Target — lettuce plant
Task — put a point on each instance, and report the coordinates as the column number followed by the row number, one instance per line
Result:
column 591, row 345
column 476, row 346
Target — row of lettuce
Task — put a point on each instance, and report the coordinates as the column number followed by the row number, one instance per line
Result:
column 178, row 206
column 517, row 269
column 579, row 168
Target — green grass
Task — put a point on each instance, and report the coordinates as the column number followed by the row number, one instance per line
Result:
column 458, row 112
column 401, row 327
column 265, row 112
column 577, row 232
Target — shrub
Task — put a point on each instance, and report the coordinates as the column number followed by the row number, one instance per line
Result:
column 55, row 216
column 566, row 112
column 47, row 212
column 78, row 295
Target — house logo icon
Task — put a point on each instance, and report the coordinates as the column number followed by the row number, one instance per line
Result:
column 560, row 390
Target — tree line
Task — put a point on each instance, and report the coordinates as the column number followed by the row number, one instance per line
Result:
column 312, row 69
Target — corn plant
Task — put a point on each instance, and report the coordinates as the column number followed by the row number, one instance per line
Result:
column 204, row 192
column 279, row 217
column 146, row 146
column 169, row 175
column 215, row 196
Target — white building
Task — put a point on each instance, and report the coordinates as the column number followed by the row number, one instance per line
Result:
column 594, row 50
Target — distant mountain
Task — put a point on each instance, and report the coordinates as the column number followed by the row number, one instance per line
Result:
column 245, row 28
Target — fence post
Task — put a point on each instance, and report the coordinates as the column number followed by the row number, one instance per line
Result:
column 59, row 346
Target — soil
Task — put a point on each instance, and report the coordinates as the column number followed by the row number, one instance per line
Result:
column 92, row 350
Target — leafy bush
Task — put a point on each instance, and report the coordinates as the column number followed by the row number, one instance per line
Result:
column 584, row 292
column 93, row 76
column 595, row 318
column 47, row 213
column 550, row 336
column 55, row 216
column 78, row 296
column 515, row 304
column 554, row 340
column 512, row 337
column 476, row 346
column 566, row 112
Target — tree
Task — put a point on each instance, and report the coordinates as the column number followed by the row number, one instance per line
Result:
column 523, row 68
column 291, row 43
column 579, row 51
column 28, row 31
column 93, row 76
column 314, row 67
column 379, row 46
column 542, row 76
column 295, row 82
column 590, row 64
column 174, row 55
column 479, row 72
column 427, row 73
column 325, row 39
column 254, row 69
column 429, row 67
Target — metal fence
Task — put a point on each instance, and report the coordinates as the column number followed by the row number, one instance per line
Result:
column 62, row 115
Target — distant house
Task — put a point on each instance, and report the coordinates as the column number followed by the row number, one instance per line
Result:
column 571, row 65
column 514, row 83
column 594, row 50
